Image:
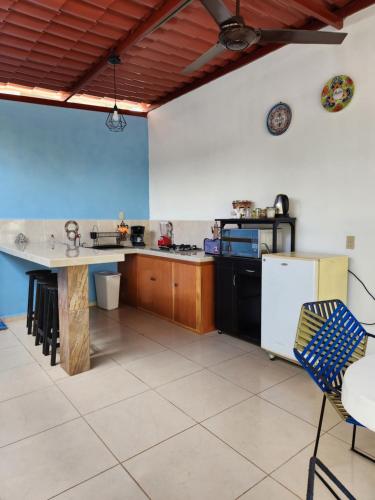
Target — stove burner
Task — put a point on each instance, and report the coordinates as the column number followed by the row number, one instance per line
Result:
column 181, row 248
column 184, row 248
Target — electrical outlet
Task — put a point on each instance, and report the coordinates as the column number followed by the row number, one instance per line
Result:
column 350, row 242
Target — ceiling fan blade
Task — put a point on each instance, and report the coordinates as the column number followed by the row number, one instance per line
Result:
column 203, row 59
column 218, row 10
column 301, row 36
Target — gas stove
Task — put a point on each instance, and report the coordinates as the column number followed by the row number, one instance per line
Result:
column 180, row 249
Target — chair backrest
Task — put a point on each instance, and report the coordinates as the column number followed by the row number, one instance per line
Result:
column 329, row 339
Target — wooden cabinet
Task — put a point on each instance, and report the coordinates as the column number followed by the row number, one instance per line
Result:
column 238, row 297
column 155, row 285
column 185, row 294
column 180, row 291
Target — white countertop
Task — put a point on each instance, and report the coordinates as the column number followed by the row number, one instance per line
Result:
column 63, row 256
column 196, row 257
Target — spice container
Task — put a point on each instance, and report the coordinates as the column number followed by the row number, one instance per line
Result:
column 271, row 212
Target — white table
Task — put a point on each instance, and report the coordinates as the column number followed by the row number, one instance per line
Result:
column 358, row 391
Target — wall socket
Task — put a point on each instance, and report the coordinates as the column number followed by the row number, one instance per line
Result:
column 350, row 242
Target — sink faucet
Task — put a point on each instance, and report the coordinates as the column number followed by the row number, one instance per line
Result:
column 72, row 228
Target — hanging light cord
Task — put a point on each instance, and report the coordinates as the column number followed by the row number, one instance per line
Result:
column 114, row 83
column 367, row 290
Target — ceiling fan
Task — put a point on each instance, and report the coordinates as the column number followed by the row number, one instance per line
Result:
column 236, row 36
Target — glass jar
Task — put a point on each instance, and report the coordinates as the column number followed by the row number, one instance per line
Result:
column 271, row 212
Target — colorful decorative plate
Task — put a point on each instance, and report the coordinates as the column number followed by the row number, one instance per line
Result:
column 279, row 118
column 337, row 93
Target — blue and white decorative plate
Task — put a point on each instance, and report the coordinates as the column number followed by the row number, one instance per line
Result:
column 279, row 118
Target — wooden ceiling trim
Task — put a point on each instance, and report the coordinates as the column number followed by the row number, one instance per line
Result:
column 70, row 105
column 167, row 9
column 315, row 10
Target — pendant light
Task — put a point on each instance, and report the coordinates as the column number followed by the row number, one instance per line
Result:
column 115, row 121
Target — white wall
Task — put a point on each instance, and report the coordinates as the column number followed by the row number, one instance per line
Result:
column 211, row 146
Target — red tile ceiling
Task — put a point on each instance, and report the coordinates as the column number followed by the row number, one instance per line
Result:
column 62, row 45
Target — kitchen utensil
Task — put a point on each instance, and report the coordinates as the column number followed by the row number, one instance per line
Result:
column 281, row 205
column 166, row 234
column 137, row 236
column 270, row 212
column 211, row 247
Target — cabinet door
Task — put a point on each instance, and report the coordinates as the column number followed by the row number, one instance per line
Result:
column 128, row 283
column 248, row 285
column 286, row 285
column 224, row 296
column 162, row 287
column 146, row 281
column 155, row 285
column 185, row 294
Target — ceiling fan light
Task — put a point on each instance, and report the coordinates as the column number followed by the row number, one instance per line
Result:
column 236, row 45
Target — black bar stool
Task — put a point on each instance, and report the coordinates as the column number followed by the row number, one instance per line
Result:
column 33, row 275
column 51, row 322
column 41, row 282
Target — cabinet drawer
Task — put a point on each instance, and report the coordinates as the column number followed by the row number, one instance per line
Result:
column 250, row 267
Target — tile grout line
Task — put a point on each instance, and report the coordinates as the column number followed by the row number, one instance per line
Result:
column 82, row 482
column 136, row 482
column 41, row 432
column 154, row 389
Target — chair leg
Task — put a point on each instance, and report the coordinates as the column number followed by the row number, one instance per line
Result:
column 313, row 465
column 320, row 425
column 359, row 452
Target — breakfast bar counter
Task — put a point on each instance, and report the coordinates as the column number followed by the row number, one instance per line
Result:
column 72, row 264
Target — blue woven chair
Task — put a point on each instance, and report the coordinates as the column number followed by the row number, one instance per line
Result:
column 329, row 339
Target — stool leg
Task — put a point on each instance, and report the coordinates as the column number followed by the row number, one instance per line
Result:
column 30, row 305
column 47, row 324
column 36, row 311
column 41, row 316
column 55, row 317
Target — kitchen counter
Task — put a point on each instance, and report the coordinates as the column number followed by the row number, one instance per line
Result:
column 72, row 264
column 63, row 256
column 196, row 257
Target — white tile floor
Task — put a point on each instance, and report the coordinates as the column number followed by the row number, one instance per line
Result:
column 167, row 415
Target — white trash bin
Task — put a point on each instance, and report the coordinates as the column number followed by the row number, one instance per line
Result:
column 107, row 286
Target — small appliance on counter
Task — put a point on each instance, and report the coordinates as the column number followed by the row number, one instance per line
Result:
column 246, row 242
column 281, row 205
column 166, row 234
column 183, row 249
column 211, row 247
column 137, row 236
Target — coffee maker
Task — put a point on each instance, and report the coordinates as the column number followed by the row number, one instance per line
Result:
column 137, row 235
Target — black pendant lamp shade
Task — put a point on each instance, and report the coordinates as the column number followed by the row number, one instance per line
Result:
column 115, row 120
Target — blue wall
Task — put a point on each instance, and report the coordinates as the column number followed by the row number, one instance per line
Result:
column 58, row 163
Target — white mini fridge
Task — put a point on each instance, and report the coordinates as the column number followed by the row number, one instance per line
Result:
column 288, row 281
